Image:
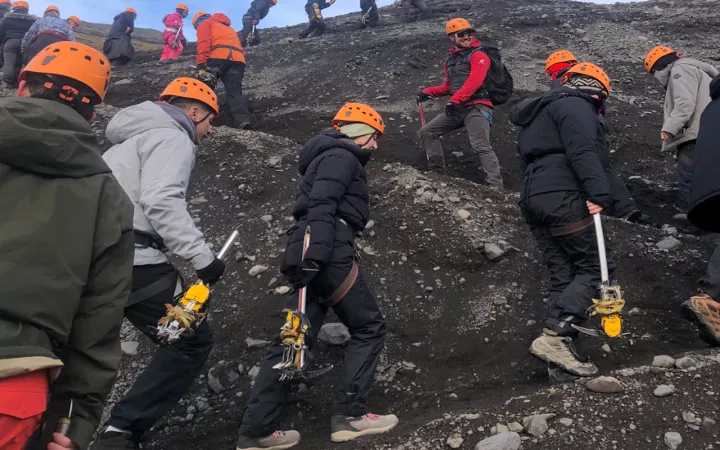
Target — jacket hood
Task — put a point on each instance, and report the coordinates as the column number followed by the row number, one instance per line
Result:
column 474, row 44
column 329, row 140
column 525, row 112
column 221, row 18
column 663, row 76
column 145, row 117
column 12, row 15
column 715, row 87
column 47, row 138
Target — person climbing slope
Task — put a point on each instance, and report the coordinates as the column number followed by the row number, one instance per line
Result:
column 257, row 11
column 333, row 200
column 66, row 246
column 118, row 45
column 173, row 35
column 50, row 29
column 316, row 23
column 220, row 53
column 13, row 27
column 564, row 153
column 687, row 92
column 369, row 14
column 152, row 156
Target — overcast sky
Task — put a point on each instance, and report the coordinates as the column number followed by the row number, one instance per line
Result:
column 151, row 12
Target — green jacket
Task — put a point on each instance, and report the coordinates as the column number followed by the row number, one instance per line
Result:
column 66, row 252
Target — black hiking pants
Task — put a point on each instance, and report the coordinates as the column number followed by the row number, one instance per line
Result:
column 565, row 234
column 39, row 44
column 12, row 61
column 623, row 202
column 369, row 8
column 172, row 370
column 231, row 73
column 358, row 311
column 710, row 281
column 315, row 25
column 246, row 30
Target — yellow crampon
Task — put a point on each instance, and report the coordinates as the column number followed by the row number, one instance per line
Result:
column 609, row 309
column 186, row 315
column 292, row 336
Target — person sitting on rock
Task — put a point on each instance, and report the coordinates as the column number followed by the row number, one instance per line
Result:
column 370, row 15
column 152, row 156
column 173, row 36
column 220, row 53
column 332, row 199
column 623, row 205
column 66, row 246
column 257, row 11
column 704, row 213
column 12, row 31
column 118, row 45
column 51, row 28
column 469, row 105
column 564, row 153
column 316, row 23
column 687, row 93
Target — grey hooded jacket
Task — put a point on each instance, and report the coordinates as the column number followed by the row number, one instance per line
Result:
column 687, row 84
column 47, row 24
column 152, row 156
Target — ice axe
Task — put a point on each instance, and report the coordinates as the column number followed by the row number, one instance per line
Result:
column 611, row 302
column 365, row 15
column 421, row 110
column 174, row 44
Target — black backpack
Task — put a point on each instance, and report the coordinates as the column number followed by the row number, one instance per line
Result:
column 498, row 83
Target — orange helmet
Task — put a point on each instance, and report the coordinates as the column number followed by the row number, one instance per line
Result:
column 359, row 113
column 4, row 2
column 52, row 8
column 197, row 16
column 656, row 53
column 455, row 25
column 20, row 4
column 193, row 89
column 73, row 60
column 131, row 10
column 75, row 19
column 560, row 56
column 182, row 6
column 590, row 70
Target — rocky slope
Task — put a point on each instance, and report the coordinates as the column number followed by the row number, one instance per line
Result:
column 450, row 260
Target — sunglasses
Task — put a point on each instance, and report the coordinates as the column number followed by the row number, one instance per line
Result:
column 463, row 34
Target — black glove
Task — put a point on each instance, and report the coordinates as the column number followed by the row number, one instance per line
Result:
column 211, row 274
column 451, row 109
column 422, row 97
column 201, row 67
column 300, row 276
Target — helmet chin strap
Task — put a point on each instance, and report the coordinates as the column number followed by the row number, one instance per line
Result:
column 202, row 120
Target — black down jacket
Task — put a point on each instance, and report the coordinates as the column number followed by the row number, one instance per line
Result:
column 562, row 146
column 15, row 25
column 259, row 9
column 333, row 190
column 704, row 210
column 121, row 22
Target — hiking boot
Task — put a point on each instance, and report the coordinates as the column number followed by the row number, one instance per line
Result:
column 278, row 440
column 116, row 440
column 436, row 164
column 559, row 350
column 640, row 219
column 346, row 428
column 705, row 313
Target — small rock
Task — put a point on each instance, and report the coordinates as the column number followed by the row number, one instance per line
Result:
column 499, row 429
column 253, row 373
column 463, row 214
column 501, row 441
column 370, row 224
column 685, row 362
column 191, row 410
column 241, row 369
column 606, row 348
column 492, row 251
column 222, row 376
column 453, row 396
column 274, row 161
column 454, row 441
column 708, row 422
column 129, row 348
column 536, row 425
column 458, row 154
column 531, row 322
column 257, row 270
column 516, row 427
column 334, row 334
column 203, row 405
column 282, row 290
column 669, row 243
column 605, row 385
column 239, row 256
column 266, row 218
column 454, row 199
column 256, row 343
column 664, row 390
column 689, row 417
column 664, row 361
column 566, row 421
column 198, row 200
column 123, row 82
column 673, row 439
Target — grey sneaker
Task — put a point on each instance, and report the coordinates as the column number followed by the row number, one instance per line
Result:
column 558, row 350
column 276, row 441
column 346, row 428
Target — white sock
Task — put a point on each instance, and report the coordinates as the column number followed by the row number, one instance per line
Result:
column 117, row 430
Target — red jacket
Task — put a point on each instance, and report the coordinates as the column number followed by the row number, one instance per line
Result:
column 479, row 66
column 216, row 40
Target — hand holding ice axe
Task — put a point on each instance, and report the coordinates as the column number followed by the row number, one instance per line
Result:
column 422, row 97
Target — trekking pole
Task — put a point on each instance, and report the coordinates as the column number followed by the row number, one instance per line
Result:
column 421, row 110
column 302, row 295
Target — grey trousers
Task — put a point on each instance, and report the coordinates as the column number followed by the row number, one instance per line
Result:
column 478, row 128
column 685, row 165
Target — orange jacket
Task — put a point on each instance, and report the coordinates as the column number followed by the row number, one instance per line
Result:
column 216, row 40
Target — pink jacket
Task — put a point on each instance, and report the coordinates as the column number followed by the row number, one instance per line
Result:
column 173, row 20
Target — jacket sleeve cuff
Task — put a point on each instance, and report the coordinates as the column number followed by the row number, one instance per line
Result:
column 204, row 259
column 672, row 127
column 81, row 431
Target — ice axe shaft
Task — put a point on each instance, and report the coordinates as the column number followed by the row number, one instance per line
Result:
column 302, row 295
column 601, row 249
column 421, row 110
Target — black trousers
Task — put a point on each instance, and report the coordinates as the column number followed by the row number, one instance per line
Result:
column 172, row 370
column 623, row 202
column 315, row 25
column 565, row 234
column 373, row 16
column 247, row 28
column 710, row 281
column 359, row 311
column 231, row 73
column 38, row 45
column 12, row 61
